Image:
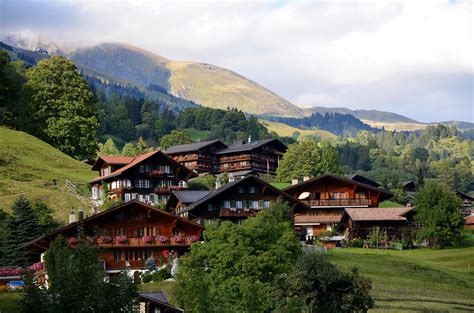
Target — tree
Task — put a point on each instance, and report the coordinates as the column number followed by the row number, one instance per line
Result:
column 236, row 268
column 141, row 146
column 22, row 227
column 316, row 285
column 206, row 182
column 176, row 137
column 438, row 210
column 108, row 148
column 63, row 111
column 11, row 80
column 77, row 280
column 308, row 158
column 44, row 217
column 129, row 150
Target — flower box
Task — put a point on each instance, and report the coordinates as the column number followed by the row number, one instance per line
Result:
column 147, row 239
column 121, row 239
column 162, row 239
column 178, row 239
column 106, row 239
column 193, row 238
column 10, row 271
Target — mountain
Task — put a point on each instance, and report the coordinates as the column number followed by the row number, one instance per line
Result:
column 202, row 83
column 33, row 168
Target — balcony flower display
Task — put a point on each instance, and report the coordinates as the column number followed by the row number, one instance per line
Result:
column 162, row 239
column 178, row 239
column 165, row 253
column 72, row 241
column 10, row 271
column 147, row 239
column 91, row 239
column 193, row 238
column 38, row 266
column 106, row 239
column 121, row 239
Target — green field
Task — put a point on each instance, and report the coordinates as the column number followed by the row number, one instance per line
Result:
column 33, row 168
column 197, row 135
column 420, row 280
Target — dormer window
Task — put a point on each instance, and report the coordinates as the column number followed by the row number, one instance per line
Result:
column 252, row 190
column 241, row 189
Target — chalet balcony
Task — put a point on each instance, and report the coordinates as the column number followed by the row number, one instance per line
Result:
column 338, row 203
column 160, row 241
column 244, row 157
column 157, row 173
column 237, row 212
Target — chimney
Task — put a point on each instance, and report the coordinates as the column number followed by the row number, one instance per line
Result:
column 250, row 139
column 80, row 214
column 231, row 178
column 294, row 182
column 305, row 178
column 72, row 216
column 218, row 183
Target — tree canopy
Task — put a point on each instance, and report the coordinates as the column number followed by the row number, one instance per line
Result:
column 175, row 138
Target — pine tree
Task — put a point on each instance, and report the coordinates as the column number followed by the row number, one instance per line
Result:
column 22, row 226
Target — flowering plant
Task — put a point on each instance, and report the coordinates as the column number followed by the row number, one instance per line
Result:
column 106, row 239
column 10, row 271
column 194, row 238
column 38, row 266
column 162, row 239
column 178, row 239
column 121, row 239
column 72, row 241
column 91, row 239
column 147, row 239
column 165, row 253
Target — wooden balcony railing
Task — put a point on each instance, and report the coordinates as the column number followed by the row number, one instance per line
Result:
column 337, row 202
column 139, row 242
column 237, row 212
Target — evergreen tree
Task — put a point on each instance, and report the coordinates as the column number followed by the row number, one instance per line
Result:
column 22, row 226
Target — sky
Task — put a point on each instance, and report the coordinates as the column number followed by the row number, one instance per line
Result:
column 409, row 57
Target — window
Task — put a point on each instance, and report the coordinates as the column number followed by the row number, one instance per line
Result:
column 141, row 168
column 243, row 163
column 225, row 165
column 139, row 232
column 241, row 189
column 118, row 231
column 117, row 255
column 266, row 204
column 254, row 204
column 128, row 255
column 335, row 195
column 138, row 254
column 226, row 204
column 210, row 207
column 146, row 183
column 239, row 204
column 252, row 190
column 147, row 254
column 127, row 197
column 149, row 231
column 362, row 195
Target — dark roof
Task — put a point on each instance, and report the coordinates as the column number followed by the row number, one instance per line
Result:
column 227, row 186
column 344, row 179
column 238, row 173
column 363, row 179
column 238, row 147
column 138, row 160
column 464, row 195
column 378, row 214
column 192, row 146
column 120, row 206
column 469, row 220
column 190, row 196
column 158, row 297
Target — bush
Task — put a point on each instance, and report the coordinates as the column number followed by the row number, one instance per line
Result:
column 147, row 278
column 356, row 243
column 162, row 275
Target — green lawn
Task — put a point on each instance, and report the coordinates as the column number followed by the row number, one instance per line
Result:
column 390, row 204
column 197, row 135
column 164, row 286
column 420, row 280
column 31, row 167
column 9, row 302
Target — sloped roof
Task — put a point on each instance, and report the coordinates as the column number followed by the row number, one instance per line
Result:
column 191, row 146
column 344, row 179
column 111, row 160
column 217, row 192
column 190, row 196
column 160, row 298
column 378, row 214
column 238, row 147
column 469, row 220
column 363, row 180
column 309, row 219
column 136, row 161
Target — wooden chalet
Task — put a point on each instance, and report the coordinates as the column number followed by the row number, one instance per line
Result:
column 199, row 157
column 466, row 203
column 129, row 234
column 261, row 156
column 328, row 196
column 469, row 221
column 363, row 180
column 148, row 178
column 235, row 201
column 360, row 222
column 155, row 302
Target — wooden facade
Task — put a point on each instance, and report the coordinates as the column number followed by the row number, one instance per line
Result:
column 328, row 196
column 261, row 156
column 236, row 201
column 148, row 178
column 131, row 233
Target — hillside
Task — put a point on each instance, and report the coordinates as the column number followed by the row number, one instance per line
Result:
column 205, row 84
column 31, row 167
column 288, row 131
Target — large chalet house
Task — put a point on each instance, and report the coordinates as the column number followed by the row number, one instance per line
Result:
column 128, row 234
column 328, row 197
column 240, row 158
column 235, row 201
column 148, row 178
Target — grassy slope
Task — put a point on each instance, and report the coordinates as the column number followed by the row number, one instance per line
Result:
column 29, row 166
column 286, row 130
column 197, row 135
column 421, row 280
column 217, row 87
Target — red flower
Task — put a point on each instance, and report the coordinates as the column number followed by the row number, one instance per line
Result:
column 178, row 239
column 194, row 238
column 121, row 239
column 72, row 241
column 165, row 253
column 147, row 239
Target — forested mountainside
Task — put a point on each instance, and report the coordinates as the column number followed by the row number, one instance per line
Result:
column 372, row 115
column 336, row 123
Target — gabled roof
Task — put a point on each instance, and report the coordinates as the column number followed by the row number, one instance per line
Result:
column 113, row 160
column 109, row 211
column 236, row 182
column 239, row 147
column 469, row 220
column 159, row 298
column 464, row 196
column 138, row 160
column 378, row 214
column 343, row 179
column 363, row 180
column 190, row 196
column 192, row 146
column 311, row 219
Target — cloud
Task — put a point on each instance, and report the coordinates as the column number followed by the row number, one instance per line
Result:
column 409, row 57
